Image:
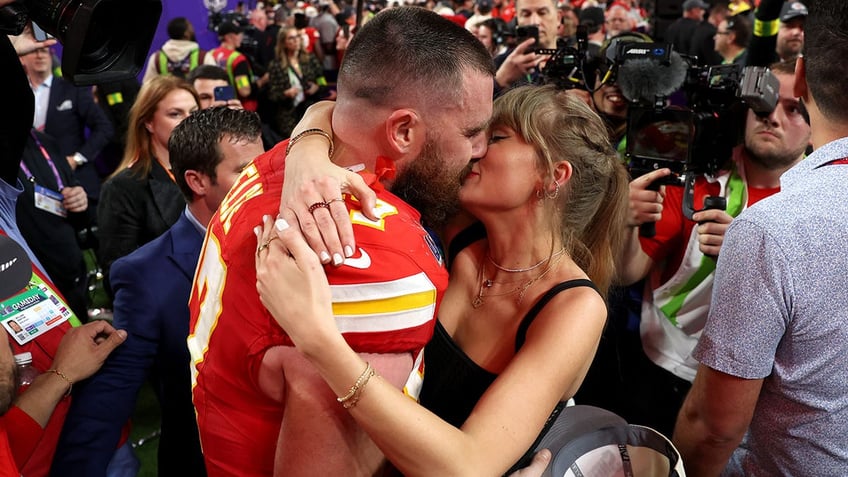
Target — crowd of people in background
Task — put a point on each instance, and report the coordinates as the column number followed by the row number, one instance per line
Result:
column 500, row 186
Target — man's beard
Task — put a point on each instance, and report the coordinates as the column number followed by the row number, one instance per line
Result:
column 772, row 159
column 430, row 185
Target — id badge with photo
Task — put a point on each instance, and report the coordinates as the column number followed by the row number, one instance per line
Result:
column 50, row 201
column 32, row 313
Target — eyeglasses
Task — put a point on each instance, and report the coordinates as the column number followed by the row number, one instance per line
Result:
column 723, row 32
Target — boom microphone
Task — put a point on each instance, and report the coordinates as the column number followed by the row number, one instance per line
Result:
column 642, row 78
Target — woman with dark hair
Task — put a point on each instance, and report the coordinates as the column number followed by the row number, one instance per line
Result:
column 140, row 200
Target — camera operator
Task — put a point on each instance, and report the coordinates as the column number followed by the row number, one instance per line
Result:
column 606, row 96
column 679, row 261
column 522, row 64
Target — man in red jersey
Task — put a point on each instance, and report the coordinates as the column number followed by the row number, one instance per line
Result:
column 262, row 409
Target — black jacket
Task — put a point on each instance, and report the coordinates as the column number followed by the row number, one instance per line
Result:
column 134, row 210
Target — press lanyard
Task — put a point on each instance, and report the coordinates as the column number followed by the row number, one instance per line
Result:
column 44, row 153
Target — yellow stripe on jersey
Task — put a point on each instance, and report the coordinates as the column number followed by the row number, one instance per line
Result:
column 387, row 305
column 384, row 306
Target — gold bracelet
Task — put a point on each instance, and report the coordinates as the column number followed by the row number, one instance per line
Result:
column 62, row 375
column 310, row 132
column 352, row 397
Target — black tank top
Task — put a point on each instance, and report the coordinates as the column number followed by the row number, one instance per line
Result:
column 453, row 383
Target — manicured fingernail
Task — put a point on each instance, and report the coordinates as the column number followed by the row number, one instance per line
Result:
column 281, row 225
column 348, row 251
column 266, row 218
column 324, row 256
column 337, row 259
column 257, row 230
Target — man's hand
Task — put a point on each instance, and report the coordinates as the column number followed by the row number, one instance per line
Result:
column 540, row 462
column 713, row 226
column 83, row 349
column 645, row 204
column 518, row 64
column 75, row 199
column 25, row 43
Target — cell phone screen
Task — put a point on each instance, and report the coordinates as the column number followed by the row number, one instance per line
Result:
column 224, row 93
column 523, row 32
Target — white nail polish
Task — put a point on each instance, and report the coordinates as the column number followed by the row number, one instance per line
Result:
column 325, row 257
column 348, row 251
column 337, row 259
column 265, row 218
column 257, row 230
column 281, row 225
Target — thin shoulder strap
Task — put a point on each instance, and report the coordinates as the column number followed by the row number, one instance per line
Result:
column 464, row 238
column 521, row 334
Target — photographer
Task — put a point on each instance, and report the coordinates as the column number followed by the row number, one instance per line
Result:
column 679, row 261
column 522, row 64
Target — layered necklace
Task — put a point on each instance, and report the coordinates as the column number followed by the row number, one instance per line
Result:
column 521, row 286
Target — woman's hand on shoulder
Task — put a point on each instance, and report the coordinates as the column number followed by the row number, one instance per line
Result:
column 311, row 180
column 292, row 284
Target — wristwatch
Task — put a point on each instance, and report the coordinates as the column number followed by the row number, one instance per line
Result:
column 79, row 159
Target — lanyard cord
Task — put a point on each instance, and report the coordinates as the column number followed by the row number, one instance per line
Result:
column 44, row 153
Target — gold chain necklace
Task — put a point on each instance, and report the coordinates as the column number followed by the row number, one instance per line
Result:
column 519, row 270
column 478, row 301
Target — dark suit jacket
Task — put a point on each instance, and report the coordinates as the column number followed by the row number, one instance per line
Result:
column 152, row 287
column 70, row 110
column 52, row 238
column 134, row 210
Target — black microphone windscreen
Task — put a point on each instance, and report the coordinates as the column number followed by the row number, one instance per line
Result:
column 643, row 79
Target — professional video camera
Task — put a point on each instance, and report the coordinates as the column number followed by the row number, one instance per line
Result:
column 99, row 44
column 695, row 138
column 567, row 66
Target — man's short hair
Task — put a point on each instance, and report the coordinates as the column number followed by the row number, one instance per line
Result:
column 177, row 28
column 593, row 18
column 407, row 50
column 825, row 50
column 193, row 144
column 210, row 72
column 741, row 27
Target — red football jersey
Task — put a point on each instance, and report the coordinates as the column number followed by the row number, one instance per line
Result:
column 385, row 300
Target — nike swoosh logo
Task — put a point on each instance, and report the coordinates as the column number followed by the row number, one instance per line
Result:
column 363, row 262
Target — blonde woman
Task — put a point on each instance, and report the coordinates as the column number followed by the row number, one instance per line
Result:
column 522, row 316
column 295, row 78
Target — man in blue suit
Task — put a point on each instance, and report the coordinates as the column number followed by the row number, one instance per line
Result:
column 208, row 150
column 64, row 111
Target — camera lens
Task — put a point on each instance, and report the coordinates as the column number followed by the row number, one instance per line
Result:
column 99, row 44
